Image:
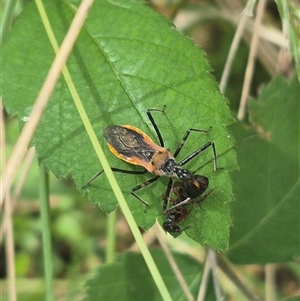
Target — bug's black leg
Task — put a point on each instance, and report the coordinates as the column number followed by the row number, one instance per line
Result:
column 161, row 141
column 92, row 179
column 185, row 137
column 200, row 150
column 131, row 172
column 140, row 186
column 166, row 196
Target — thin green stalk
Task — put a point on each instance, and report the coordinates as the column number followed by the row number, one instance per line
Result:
column 290, row 18
column 6, row 19
column 45, row 219
column 111, row 236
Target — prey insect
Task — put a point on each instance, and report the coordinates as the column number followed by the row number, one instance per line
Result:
column 133, row 146
column 186, row 193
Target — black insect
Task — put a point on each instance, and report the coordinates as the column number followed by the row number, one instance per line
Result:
column 186, row 191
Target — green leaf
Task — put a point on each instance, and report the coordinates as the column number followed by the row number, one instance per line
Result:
column 127, row 59
column 266, row 213
column 129, row 279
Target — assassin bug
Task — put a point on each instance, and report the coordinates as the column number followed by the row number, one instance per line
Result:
column 186, row 191
column 134, row 146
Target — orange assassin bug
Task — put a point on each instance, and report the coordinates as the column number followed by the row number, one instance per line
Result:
column 133, row 146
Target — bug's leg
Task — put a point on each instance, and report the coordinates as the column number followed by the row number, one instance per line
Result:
column 184, row 203
column 166, row 195
column 188, row 201
column 187, row 227
column 200, row 150
column 185, row 137
column 131, row 172
column 204, row 196
column 143, row 185
column 92, row 179
column 161, row 141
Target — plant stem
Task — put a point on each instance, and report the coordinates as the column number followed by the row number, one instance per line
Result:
column 6, row 19
column 235, row 279
column 111, row 236
column 213, row 261
column 45, row 218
